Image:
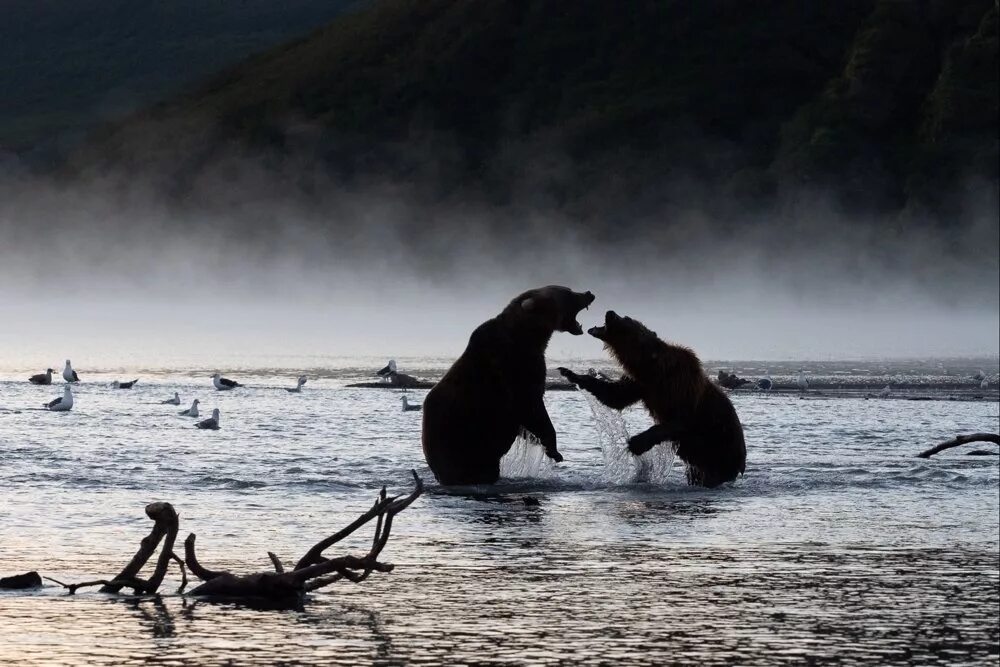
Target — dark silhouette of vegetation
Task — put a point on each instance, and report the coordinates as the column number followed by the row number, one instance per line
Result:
column 69, row 65
column 609, row 110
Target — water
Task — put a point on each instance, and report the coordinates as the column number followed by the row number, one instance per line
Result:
column 838, row 546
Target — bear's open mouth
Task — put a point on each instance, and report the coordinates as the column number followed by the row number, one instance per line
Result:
column 601, row 333
column 571, row 325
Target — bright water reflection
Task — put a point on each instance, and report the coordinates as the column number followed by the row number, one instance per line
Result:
column 838, row 546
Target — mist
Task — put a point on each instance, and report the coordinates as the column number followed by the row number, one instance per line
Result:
column 110, row 267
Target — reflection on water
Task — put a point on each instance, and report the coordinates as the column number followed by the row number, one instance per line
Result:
column 564, row 604
column 838, row 546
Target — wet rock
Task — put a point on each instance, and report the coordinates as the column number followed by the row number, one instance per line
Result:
column 18, row 581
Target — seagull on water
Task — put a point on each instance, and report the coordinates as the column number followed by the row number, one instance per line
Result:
column 63, row 403
column 69, row 374
column 224, row 384
column 298, row 387
column 124, row 385
column 407, row 406
column 210, row 423
column 42, row 378
column 803, row 382
column 389, row 370
column 886, row 392
column 192, row 411
column 176, row 400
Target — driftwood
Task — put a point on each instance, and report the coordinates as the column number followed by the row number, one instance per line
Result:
column 960, row 440
column 166, row 525
column 313, row 570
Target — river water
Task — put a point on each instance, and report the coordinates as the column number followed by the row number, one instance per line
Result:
column 836, row 547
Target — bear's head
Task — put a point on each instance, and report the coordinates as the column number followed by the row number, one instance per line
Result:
column 550, row 309
column 641, row 352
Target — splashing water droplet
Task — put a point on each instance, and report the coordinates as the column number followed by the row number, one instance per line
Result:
column 526, row 459
column 620, row 465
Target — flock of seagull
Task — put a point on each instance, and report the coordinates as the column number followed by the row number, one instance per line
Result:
column 64, row 403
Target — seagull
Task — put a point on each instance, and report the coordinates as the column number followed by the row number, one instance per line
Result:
column 210, row 423
column 803, row 382
column 407, row 406
column 69, row 374
column 42, row 378
column 298, row 388
column 124, row 385
column 765, row 384
column 192, row 411
column 886, row 391
column 985, row 384
column 224, row 384
column 176, row 400
column 389, row 370
column 63, row 404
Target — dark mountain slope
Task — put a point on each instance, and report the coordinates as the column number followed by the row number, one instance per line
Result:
column 605, row 109
column 70, row 64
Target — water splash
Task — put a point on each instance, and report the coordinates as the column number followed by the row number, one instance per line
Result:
column 620, row 465
column 526, row 459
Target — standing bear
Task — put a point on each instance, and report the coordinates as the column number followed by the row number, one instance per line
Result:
column 688, row 409
column 494, row 391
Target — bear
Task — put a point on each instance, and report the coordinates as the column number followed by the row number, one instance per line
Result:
column 494, row 391
column 688, row 408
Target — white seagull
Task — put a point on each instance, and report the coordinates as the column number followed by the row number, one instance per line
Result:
column 886, row 392
column 176, row 400
column 42, row 378
column 210, row 423
column 298, row 388
column 407, row 406
column 224, row 384
column 803, row 382
column 124, row 385
column 63, row 403
column 192, row 411
column 69, row 374
column 389, row 370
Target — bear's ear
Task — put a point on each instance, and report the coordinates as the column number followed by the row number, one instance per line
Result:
column 529, row 304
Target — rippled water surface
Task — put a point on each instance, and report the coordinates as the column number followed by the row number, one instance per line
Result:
column 838, row 546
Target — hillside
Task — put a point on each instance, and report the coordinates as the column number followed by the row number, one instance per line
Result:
column 69, row 65
column 607, row 110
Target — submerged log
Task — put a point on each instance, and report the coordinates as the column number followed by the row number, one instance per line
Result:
column 423, row 384
column 960, row 440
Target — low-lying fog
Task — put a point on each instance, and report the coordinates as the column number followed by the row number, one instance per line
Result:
column 95, row 272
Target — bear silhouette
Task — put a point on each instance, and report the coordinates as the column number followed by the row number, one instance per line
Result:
column 494, row 390
column 688, row 409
